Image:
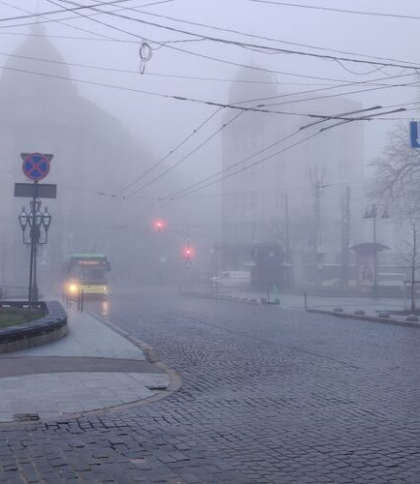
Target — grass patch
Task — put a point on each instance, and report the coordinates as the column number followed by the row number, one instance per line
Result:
column 16, row 316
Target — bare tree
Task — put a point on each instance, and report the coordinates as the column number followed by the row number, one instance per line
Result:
column 398, row 184
column 410, row 256
column 398, row 174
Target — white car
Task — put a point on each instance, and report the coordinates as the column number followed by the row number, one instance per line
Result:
column 232, row 279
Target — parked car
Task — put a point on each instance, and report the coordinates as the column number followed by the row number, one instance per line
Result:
column 232, row 279
column 391, row 284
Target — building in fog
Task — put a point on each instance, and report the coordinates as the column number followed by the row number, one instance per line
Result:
column 94, row 157
column 306, row 199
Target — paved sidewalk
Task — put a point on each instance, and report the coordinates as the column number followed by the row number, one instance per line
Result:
column 349, row 303
column 384, row 310
column 92, row 368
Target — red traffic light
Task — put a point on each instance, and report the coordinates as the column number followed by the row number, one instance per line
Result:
column 188, row 252
column 159, row 224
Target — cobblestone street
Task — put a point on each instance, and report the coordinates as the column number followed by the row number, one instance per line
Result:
column 269, row 396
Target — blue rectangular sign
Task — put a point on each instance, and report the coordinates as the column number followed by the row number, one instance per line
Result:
column 415, row 134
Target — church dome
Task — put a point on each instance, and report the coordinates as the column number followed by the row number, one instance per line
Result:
column 28, row 82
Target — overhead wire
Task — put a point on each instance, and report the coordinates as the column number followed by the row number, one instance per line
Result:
column 58, row 21
column 209, row 57
column 338, row 10
column 169, row 199
column 197, row 148
column 53, row 20
column 178, row 49
column 131, row 71
column 170, row 153
column 113, row 69
column 246, row 34
column 176, row 97
column 79, row 7
column 228, row 106
column 170, row 96
column 224, row 172
column 263, row 47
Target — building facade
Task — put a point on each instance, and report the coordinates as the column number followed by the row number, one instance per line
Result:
column 304, row 195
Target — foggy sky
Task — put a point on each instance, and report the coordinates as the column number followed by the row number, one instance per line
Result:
column 163, row 123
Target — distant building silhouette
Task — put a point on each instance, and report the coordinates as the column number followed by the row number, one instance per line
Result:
column 295, row 197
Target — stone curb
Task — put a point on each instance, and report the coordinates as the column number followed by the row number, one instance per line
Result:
column 52, row 327
column 236, row 299
column 151, row 356
column 175, row 383
column 372, row 319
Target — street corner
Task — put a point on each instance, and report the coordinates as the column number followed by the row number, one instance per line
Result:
column 96, row 368
column 56, row 395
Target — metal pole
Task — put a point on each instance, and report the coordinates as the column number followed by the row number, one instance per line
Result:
column 305, row 300
column 35, row 288
column 216, row 269
column 288, row 279
column 32, row 258
column 375, row 261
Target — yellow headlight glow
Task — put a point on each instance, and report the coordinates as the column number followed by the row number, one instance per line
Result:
column 73, row 288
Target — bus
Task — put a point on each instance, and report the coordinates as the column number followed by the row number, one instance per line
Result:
column 87, row 272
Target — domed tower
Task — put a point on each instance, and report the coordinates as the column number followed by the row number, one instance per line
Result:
column 42, row 111
column 37, row 97
column 248, row 195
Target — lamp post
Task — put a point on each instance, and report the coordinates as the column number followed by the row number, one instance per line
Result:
column 373, row 211
column 38, row 223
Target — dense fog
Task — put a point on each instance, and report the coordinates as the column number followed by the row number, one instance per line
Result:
column 199, row 141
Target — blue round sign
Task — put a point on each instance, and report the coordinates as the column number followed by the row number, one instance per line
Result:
column 36, row 166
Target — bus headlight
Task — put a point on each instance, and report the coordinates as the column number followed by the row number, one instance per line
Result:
column 72, row 288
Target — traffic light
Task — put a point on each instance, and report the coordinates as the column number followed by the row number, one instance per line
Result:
column 159, row 225
column 188, row 252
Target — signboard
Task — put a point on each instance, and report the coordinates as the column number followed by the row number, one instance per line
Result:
column 36, row 166
column 366, row 269
column 27, row 190
column 415, row 134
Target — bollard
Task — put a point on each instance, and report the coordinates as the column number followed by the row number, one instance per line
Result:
column 305, row 300
column 82, row 295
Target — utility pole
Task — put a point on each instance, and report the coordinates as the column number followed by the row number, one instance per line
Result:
column 286, row 207
column 317, row 185
column 287, row 242
column 345, row 240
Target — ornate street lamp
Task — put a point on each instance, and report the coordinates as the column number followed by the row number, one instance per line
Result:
column 39, row 224
column 46, row 219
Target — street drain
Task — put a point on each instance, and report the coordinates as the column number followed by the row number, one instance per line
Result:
column 25, row 417
column 157, row 388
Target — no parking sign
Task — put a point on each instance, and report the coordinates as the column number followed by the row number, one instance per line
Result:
column 36, row 166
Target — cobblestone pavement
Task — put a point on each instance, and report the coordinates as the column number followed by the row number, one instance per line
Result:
column 269, row 396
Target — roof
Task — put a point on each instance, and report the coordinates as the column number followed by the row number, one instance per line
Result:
column 369, row 247
column 88, row 256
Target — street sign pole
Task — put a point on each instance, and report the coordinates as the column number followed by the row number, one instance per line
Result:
column 32, row 262
column 36, row 167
